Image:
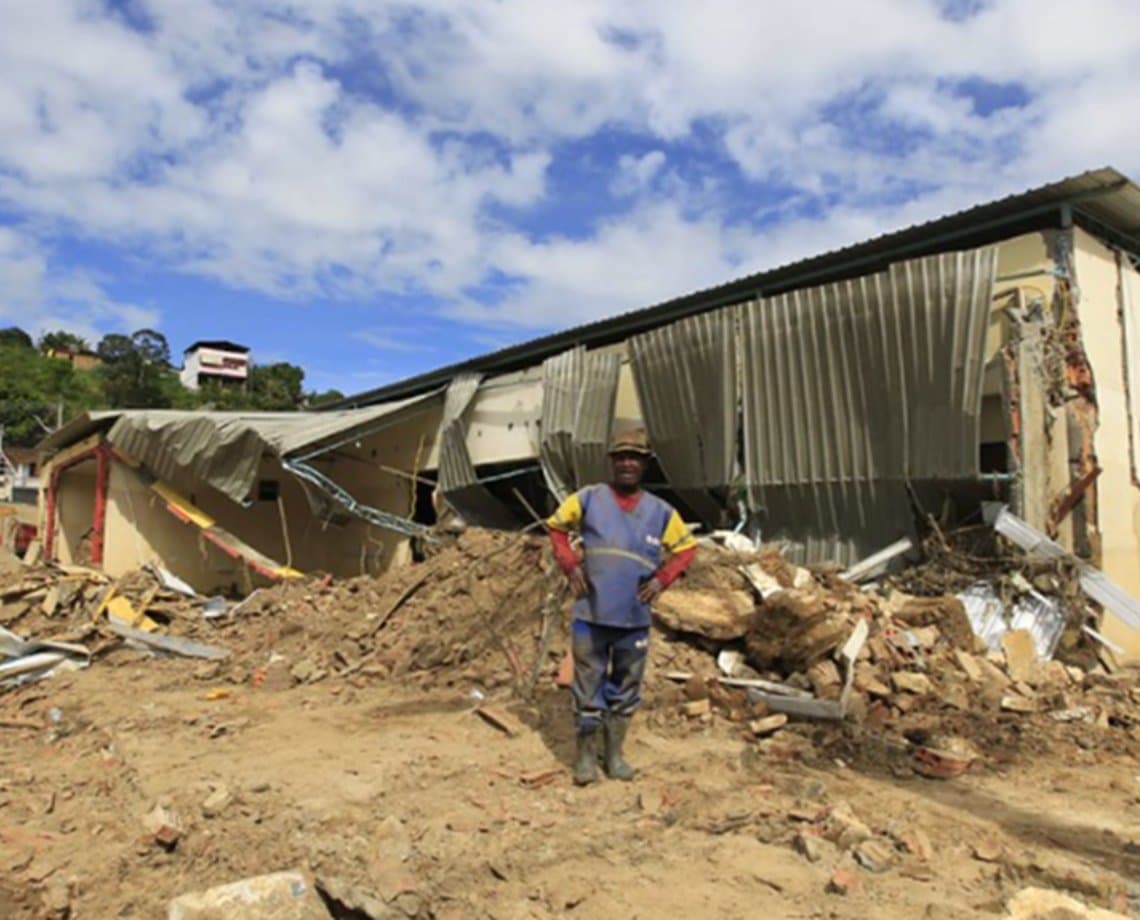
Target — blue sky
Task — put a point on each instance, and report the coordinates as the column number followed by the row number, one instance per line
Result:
column 374, row 189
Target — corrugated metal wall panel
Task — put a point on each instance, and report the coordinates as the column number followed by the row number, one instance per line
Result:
column 560, row 376
column 578, row 393
column 851, row 389
column 457, row 477
column 685, row 375
column 595, row 417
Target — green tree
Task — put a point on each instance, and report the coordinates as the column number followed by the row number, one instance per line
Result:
column 62, row 341
column 114, row 347
column 152, row 347
column 136, row 370
column 215, row 396
column 315, row 399
column 13, row 335
column 276, row 387
column 37, row 392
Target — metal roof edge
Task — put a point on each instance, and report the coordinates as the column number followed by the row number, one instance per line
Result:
column 983, row 223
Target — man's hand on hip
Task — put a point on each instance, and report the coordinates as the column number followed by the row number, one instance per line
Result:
column 578, row 583
column 650, row 591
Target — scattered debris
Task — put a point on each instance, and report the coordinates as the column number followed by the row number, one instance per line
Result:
column 1043, row 904
column 769, row 724
column 722, row 615
column 877, row 563
column 25, row 660
column 164, row 826
column 502, row 720
column 875, row 855
column 844, row 881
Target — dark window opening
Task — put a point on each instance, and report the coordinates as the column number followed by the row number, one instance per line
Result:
column 268, row 490
column 993, row 457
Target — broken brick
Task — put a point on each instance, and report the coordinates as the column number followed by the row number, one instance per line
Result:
column 843, row 881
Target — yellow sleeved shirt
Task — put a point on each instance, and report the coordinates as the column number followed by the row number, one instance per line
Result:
column 568, row 518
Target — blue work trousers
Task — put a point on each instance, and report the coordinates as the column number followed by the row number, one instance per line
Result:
column 609, row 664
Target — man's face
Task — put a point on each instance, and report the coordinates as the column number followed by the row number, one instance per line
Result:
column 629, row 468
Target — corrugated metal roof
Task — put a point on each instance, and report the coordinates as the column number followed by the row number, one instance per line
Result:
column 1104, row 200
column 225, row 448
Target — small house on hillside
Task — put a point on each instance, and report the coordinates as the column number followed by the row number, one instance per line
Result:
column 217, row 359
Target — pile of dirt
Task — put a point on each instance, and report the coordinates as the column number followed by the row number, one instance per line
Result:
column 473, row 609
column 490, row 610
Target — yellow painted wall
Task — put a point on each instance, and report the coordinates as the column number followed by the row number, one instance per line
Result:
column 357, row 547
column 140, row 530
column 1098, row 278
column 1026, row 265
column 75, row 510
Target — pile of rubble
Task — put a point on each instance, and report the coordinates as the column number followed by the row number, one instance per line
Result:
column 746, row 636
column 940, row 675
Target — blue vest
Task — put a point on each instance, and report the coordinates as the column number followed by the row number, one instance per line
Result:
column 622, row 550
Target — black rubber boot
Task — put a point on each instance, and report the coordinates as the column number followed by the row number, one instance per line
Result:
column 586, row 761
column 616, row 767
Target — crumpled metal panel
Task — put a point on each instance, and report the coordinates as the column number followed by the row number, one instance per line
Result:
column 851, row 389
column 1042, row 617
column 595, row 420
column 1093, row 581
column 686, row 382
column 457, row 477
column 578, row 393
column 561, row 376
column 225, row 448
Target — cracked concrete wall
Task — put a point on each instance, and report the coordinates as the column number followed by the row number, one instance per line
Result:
column 1023, row 346
column 1099, row 276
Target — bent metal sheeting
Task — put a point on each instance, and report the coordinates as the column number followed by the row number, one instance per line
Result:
column 846, row 392
column 225, row 448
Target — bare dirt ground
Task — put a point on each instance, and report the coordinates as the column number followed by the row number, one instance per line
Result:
column 401, row 792
column 340, row 737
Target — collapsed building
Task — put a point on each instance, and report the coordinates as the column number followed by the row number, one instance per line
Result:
column 987, row 355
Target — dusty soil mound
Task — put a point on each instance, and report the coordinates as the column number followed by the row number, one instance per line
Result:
column 491, row 610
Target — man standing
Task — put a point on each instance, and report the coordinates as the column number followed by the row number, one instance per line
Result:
column 634, row 546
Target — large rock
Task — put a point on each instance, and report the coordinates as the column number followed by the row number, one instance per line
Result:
column 280, row 896
column 1043, row 904
column 720, row 615
column 794, row 629
column 946, row 611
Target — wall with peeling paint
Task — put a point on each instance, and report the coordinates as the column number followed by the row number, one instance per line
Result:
column 1098, row 277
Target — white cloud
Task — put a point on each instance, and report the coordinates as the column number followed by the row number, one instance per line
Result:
column 38, row 295
column 352, row 148
column 636, row 174
column 394, row 338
